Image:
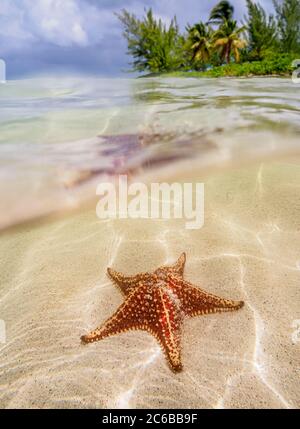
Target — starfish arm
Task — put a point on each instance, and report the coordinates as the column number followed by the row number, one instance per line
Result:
column 142, row 309
column 130, row 315
column 196, row 302
column 175, row 269
column 167, row 328
column 151, row 310
column 178, row 267
column 126, row 283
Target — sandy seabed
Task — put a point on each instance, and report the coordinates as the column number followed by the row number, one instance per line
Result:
column 54, row 288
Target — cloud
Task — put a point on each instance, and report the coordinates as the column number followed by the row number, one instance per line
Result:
column 60, row 22
column 57, row 21
column 81, row 35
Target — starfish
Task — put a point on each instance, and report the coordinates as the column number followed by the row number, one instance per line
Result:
column 158, row 303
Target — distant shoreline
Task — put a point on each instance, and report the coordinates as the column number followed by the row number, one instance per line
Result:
column 278, row 66
column 206, row 75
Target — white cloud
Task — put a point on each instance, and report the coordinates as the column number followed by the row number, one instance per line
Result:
column 13, row 32
column 57, row 21
column 60, row 22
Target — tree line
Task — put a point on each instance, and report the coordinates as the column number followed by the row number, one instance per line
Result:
column 159, row 47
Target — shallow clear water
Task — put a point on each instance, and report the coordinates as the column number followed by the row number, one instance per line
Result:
column 58, row 139
column 51, row 131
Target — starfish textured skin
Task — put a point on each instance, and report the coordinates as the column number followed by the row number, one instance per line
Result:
column 158, row 303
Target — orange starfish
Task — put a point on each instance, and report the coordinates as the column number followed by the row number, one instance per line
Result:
column 158, row 303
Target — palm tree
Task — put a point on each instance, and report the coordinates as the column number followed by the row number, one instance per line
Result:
column 227, row 39
column 200, row 41
column 221, row 13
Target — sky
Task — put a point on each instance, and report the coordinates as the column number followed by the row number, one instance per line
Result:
column 82, row 36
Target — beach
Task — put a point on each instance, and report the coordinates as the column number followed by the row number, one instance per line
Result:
column 54, row 289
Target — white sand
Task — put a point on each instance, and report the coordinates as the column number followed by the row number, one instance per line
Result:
column 54, row 289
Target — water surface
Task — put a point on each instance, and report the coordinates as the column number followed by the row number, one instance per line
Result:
column 57, row 133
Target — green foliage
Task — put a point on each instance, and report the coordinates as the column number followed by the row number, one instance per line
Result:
column 288, row 21
column 228, row 40
column 227, row 37
column 198, row 45
column 154, row 46
column 274, row 65
column 262, row 31
column 221, row 13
